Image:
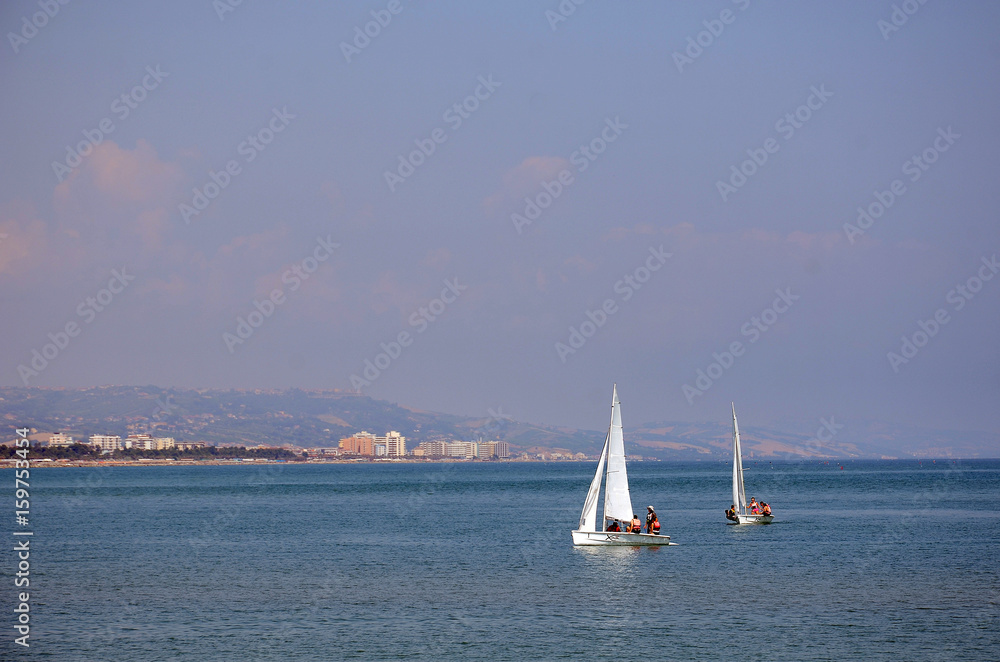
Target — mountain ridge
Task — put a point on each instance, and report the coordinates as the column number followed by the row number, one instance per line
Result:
column 320, row 418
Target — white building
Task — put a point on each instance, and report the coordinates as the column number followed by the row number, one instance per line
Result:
column 324, row 451
column 106, row 443
column 434, row 448
column 143, row 442
column 148, row 442
column 163, row 443
column 465, row 449
column 491, row 449
column 395, row 444
column 468, row 450
column 60, row 439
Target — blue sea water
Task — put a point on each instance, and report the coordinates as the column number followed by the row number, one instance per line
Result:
column 879, row 560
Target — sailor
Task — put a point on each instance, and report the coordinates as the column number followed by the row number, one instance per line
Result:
column 614, row 526
column 767, row 509
column 635, row 526
column 650, row 518
column 731, row 513
column 752, row 506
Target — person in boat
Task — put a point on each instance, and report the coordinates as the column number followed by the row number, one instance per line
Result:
column 635, row 526
column 614, row 526
column 754, row 508
column 731, row 514
column 767, row 509
column 650, row 518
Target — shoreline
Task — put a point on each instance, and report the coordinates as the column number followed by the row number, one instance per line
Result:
column 43, row 463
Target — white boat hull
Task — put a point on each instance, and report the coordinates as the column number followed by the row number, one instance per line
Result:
column 608, row 538
column 753, row 519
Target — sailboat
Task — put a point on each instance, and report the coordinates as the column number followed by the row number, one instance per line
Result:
column 617, row 501
column 739, row 494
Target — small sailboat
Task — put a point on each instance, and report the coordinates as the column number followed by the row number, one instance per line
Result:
column 617, row 501
column 743, row 516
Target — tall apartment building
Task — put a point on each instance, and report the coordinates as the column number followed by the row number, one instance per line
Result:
column 391, row 444
column 60, row 440
column 434, row 448
column 494, row 449
column 140, row 441
column 106, row 442
column 459, row 449
column 467, row 449
column 395, row 444
column 362, row 443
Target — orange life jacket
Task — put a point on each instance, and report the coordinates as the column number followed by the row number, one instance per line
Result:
column 656, row 525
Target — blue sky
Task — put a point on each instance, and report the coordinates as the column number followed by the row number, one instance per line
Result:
column 831, row 103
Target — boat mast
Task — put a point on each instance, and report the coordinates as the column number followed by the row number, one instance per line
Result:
column 739, row 495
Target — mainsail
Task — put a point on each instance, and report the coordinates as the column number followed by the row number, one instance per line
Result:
column 739, row 496
column 617, row 503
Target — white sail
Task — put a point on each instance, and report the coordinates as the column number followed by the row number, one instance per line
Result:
column 588, row 519
column 739, row 495
column 617, row 502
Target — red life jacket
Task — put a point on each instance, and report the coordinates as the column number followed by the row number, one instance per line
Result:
column 656, row 525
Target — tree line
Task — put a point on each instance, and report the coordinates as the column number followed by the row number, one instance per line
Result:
column 86, row 452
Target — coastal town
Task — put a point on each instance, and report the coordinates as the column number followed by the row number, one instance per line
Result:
column 61, row 448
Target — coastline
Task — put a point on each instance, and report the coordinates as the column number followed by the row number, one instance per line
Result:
column 45, row 463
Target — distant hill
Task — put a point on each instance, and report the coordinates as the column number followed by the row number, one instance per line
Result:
column 314, row 418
